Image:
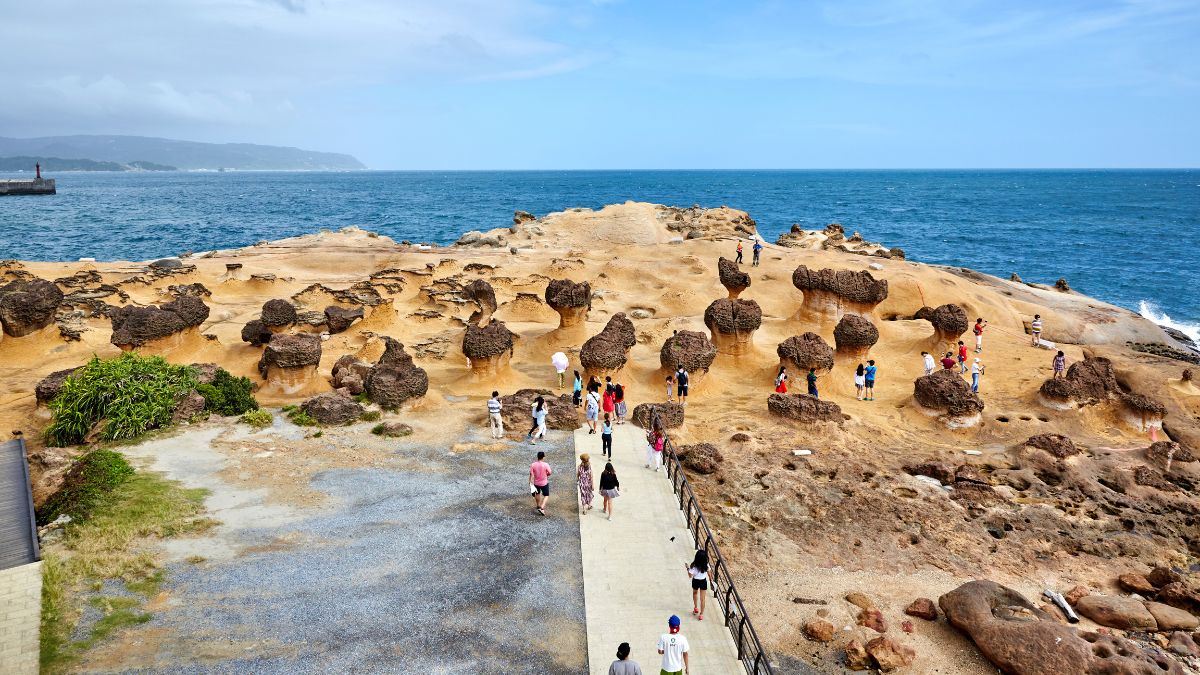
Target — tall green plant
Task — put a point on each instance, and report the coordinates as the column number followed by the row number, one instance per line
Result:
column 228, row 395
column 131, row 394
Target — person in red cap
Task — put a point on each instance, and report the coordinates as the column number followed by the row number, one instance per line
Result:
column 674, row 650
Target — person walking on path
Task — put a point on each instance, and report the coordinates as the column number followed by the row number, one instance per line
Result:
column 681, row 384
column 812, row 383
column 592, row 410
column 980, row 324
column 619, row 398
column 962, row 356
column 606, row 436
column 623, row 666
column 860, row 382
column 610, row 487
column 577, row 390
column 674, row 649
column 1060, row 364
column 670, row 387
column 698, row 571
column 609, row 402
column 539, row 482
column 559, row 361
column 495, row 421
column 655, row 442
column 583, row 477
column 781, row 381
column 758, row 247
column 1035, row 329
column 929, row 364
column 948, row 361
column 539, row 421
column 976, row 373
column 739, row 252
column 869, row 380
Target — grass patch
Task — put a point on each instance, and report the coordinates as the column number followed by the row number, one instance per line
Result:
column 85, row 484
column 299, row 417
column 362, row 397
column 257, row 419
column 398, row 431
column 228, row 395
column 108, row 545
column 371, row 416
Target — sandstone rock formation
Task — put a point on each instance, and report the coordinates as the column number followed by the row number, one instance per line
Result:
column 801, row 352
column 332, row 408
column 696, row 222
column 1141, row 412
column 28, row 305
column 256, row 333
column 1087, row 382
column 290, row 360
column 946, row 393
column 516, row 412
column 1116, row 612
column 47, row 389
column 690, row 349
column 732, row 277
column 134, row 327
column 482, row 294
column 571, row 300
column 804, row 408
column 394, row 378
column 832, row 293
column 339, row 319
column 489, row 348
column 670, row 415
column 606, row 352
column 278, row 315
column 732, row 324
column 949, row 323
column 703, row 458
column 854, row 336
column 1056, row 444
column 350, row 373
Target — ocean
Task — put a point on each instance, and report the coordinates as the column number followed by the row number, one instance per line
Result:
column 1129, row 237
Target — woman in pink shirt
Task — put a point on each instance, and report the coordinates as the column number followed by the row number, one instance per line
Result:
column 539, row 482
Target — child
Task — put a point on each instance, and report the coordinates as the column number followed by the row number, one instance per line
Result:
column 670, row 387
column 1060, row 364
column 1035, row 329
column 781, row 381
column 606, row 436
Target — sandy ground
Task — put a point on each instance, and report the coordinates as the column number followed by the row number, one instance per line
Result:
column 846, row 517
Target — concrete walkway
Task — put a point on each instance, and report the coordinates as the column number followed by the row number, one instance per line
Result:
column 633, row 573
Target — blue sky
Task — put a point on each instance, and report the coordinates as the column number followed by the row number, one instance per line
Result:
column 479, row 84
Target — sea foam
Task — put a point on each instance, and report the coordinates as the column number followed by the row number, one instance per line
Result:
column 1151, row 311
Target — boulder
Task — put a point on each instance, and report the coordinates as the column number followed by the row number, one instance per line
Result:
column 801, row 352
column 339, row 318
column 1171, row 618
column 670, row 415
column 256, row 333
column 571, row 300
column 1056, row 444
column 350, row 373
column 946, row 392
column 1181, row 594
column 488, row 347
column 392, row 429
column 278, row 314
column 941, row 472
column 332, row 408
column 839, row 292
column 889, row 655
column 732, row 277
column 522, row 217
column 608, row 350
column 818, row 630
column 689, row 348
column 28, row 305
column 290, row 352
column 187, row 405
column 703, row 458
column 395, row 379
column 1162, row 451
column 1135, row 583
column 732, row 324
column 804, row 408
column 1089, row 381
column 1116, row 611
column 922, row 608
column 517, row 410
column 949, row 322
column 859, row 600
column 872, row 618
column 857, row 657
column 1161, row 576
column 854, row 336
column 483, row 295
column 47, row 389
column 133, row 327
column 206, row 373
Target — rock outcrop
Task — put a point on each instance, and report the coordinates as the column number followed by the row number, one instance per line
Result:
column 1141, row 412
column 332, row 408
column 28, row 305
column 696, row 222
column 517, row 410
column 489, row 348
column 690, row 349
column 801, row 352
column 703, row 458
column 804, row 408
column 1056, row 444
column 484, row 296
column 350, row 373
column 732, row 277
column 394, row 378
column 832, row 293
column 670, row 415
column 278, row 315
column 1117, row 611
column 606, row 352
column 854, row 336
column 339, row 319
column 732, row 324
column 290, row 360
column 945, row 393
column 47, row 389
column 949, row 323
column 571, row 300
column 256, row 333
column 134, row 327
column 1087, row 382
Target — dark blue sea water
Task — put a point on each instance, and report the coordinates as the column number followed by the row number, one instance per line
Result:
column 1129, row 237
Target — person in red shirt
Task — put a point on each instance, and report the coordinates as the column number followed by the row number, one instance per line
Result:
column 609, row 402
column 948, row 362
column 539, row 482
column 962, row 357
column 980, row 324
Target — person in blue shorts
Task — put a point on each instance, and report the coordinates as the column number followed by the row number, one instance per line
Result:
column 869, row 382
column 681, row 384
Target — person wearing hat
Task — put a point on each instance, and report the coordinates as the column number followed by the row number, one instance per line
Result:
column 674, row 650
column 976, row 373
column 623, row 665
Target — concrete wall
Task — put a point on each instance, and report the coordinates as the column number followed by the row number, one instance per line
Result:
column 20, row 618
column 44, row 186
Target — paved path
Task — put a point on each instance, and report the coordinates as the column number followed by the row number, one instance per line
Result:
column 633, row 573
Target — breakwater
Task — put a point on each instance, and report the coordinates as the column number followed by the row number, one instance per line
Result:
column 37, row 186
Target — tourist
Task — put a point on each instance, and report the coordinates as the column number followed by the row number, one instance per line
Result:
column 869, row 380
column 1035, row 329
column 812, row 383
column 539, row 482
column 577, row 390
column 655, row 442
column 976, row 373
column 610, row 487
column 619, row 397
column 948, row 361
column 962, row 356
column 698, row 571
column 739, row 252
column 583, row 477
column 980, row 324
column 860, row 381
column 681, row 384
column 1060, row 364
column 539, row 420
column 606, row 436
column 781, row 381
column 593, row 383
column 929, row 364
column 609, row 402
column 559, row 361
column 623, row 666
column 758, row 247
column 608, row 384
column 592, row 410
column 496, row 422
column 674, row 649
column 670, row 387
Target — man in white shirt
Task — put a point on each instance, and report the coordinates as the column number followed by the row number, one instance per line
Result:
column 929, row 362
column 674, row 649
column 494, row 408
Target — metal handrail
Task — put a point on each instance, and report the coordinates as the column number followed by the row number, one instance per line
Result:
column 749, row 649
column 37, row 549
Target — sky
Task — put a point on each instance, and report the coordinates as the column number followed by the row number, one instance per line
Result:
column 623, row 84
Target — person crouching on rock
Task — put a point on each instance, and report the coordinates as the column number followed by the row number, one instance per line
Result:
column 812, row 383
column 781, row 381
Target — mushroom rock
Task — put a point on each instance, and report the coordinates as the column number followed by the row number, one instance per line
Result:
column 854, row 336
column 606, row 352
column 732, row 323
column 256, row 333
column 732, row 277
column 1142, row 412
column 482, row 294
column 801, row 352
column 805, row 408
column 489, row 348
column 835, row 293
column 339, row 318
column 949, row 323
column 691, row 349
column 47, row 389
column 670, row 415
column 290, row 361
column 1089, row 381
column 945, row 393
column 332, row 408
column 134, row 327
column 571, row 300
column 28, row 305
column 561, row 413
column 1018, row 637
column 1056, row 394
column 278, row 315
column 394, row 378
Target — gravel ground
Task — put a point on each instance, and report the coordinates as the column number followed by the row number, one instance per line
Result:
column 441, row 571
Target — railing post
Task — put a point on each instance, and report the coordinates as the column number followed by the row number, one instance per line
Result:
column 741, row 630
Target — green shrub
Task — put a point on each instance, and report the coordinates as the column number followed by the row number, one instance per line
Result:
column 301, row 418
column 228, row 395
column 85, row 484
column 258, row 419
column 370, row 416
column 131, row 394
column 362, row 397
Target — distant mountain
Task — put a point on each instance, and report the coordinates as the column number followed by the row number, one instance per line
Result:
column 59, row 164
column 187, row 155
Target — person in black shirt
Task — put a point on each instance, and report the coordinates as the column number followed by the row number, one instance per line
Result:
column 681, row 384
column 609, row 487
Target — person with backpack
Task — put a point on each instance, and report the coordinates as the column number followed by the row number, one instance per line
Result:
column 655, row 442
column 681, row 384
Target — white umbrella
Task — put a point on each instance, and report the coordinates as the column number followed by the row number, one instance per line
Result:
column 559, row 360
